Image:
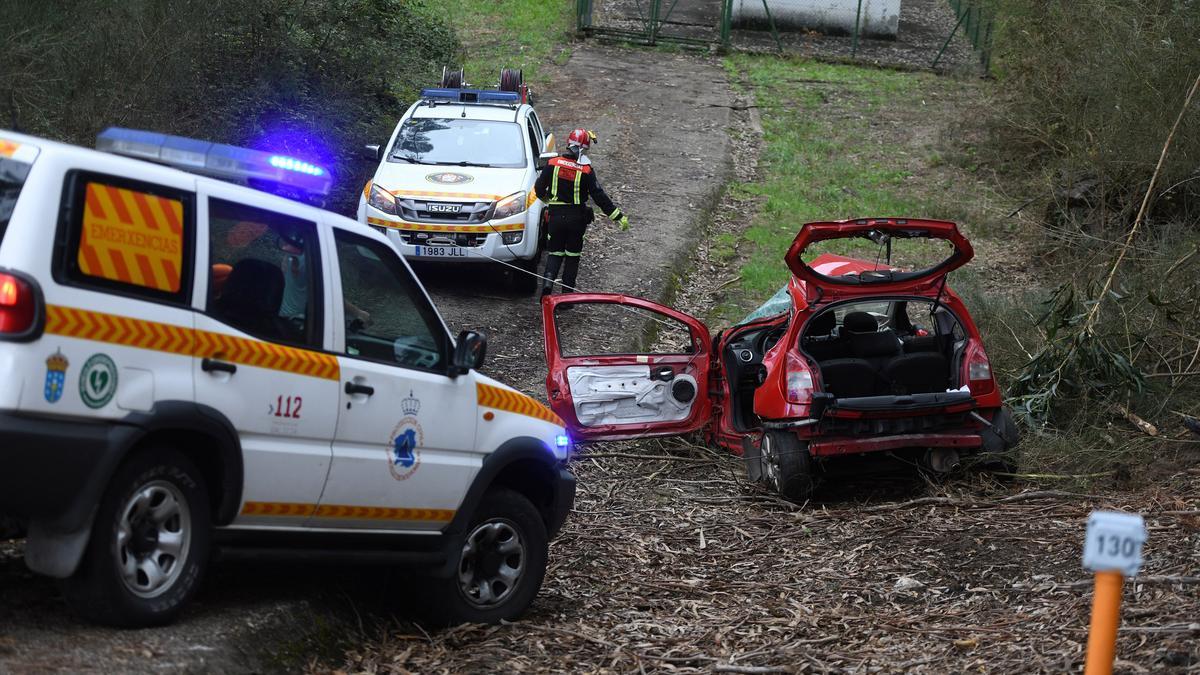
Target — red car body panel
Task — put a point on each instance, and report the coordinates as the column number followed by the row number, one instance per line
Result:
column 813, row 288
column 559, row 393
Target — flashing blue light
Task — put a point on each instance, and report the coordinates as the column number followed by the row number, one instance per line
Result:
column 283, row 175
column 293, row 164
column 562, row 440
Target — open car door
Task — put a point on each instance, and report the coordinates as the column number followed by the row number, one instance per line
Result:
column 931, row 249
column 606, row 391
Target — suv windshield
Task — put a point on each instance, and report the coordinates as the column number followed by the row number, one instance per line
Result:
column 12, row 177
column 460, row 142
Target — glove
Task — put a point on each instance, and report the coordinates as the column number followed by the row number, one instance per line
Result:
column 623, row 223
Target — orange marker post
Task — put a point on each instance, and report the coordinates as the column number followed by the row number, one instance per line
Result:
column 1113, row 550
column 1106, row 616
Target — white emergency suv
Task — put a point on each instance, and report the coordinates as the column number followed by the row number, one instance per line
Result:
column 455, row 180
column 188, row 363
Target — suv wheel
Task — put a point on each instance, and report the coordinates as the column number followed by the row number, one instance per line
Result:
column 149, row 545
column 525, row 279
column 786, row 465
column 502, row 564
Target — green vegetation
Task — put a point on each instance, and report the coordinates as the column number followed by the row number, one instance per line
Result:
column 495, row 34
column 317, row 79
column 823, row 158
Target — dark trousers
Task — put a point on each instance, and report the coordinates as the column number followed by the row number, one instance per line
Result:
column 565, row 246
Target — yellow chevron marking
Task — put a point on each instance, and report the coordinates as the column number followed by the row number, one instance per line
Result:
column 490, row 396
column 163, row 337
column 346, row 512
column 424, row 227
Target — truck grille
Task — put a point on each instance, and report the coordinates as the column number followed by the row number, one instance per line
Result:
column 413, row 238
column 433, row 211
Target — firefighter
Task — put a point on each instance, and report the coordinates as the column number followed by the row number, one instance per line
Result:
column 565, row 184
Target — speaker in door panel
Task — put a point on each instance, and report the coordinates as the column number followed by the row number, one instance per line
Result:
column 683, row 391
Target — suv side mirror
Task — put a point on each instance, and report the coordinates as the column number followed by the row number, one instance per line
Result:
column 372, row 152
column 468, row 353
column 545, row 157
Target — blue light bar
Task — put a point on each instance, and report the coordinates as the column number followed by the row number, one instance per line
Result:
column 471, row 96
column 262, row 170
column 562, row 440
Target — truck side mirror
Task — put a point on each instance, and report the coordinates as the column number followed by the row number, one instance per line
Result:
column 545, row 157
column 372, row 152
column 468, row 353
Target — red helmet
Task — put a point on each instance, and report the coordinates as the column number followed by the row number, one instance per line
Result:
column 581, row 139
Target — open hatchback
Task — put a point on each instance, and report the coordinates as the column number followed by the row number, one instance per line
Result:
column 857, row 354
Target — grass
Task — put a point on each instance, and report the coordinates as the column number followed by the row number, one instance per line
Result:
column 495, row 34
column 820, row 166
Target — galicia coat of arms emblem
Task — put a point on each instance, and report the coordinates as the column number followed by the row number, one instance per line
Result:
column 56, row 376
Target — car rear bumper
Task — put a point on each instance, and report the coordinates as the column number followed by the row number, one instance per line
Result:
column 833, row 447
column 54, row 470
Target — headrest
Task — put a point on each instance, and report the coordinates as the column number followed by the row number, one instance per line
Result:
column 860, row 322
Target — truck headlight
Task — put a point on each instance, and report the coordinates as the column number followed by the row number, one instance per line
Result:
column 382, row 200
column 510, row 205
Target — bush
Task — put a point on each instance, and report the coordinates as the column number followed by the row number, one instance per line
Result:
column 316, row 79
column 1089, row 92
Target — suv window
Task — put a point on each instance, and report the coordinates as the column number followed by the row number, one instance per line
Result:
column 535, row 143
column 388, row 318
column 127, row 236
column 264, row 273
column 12, row 177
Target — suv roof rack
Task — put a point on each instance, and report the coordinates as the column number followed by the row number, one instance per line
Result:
column 269, row 172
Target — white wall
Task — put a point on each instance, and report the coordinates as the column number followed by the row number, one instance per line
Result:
column 879, row 18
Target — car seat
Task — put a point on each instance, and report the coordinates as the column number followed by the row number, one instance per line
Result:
column 250, row 298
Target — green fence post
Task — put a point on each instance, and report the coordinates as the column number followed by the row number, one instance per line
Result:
column 857, row 21
column 947, row 42
column 774, row 30
column 654, row 7
column 726, row 20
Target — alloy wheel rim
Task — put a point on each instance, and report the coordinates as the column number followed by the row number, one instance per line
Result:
column 771, row 463
column 492, row 565
column 153, row 539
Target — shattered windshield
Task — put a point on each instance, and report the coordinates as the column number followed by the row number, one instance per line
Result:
column 777, row 304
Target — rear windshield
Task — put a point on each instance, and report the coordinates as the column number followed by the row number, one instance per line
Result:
column 895, row 256
column 460, row 142
column 12, row 177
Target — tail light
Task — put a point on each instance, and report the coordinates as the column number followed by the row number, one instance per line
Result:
column 979, row 371
column 799, row 380
column 18, row 306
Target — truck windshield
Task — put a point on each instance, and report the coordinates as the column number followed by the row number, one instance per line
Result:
column 459, row 142
column 12, row 177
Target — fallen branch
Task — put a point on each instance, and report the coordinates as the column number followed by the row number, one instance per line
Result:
column 626, row 455
column 732, row 668
column 1047, row 494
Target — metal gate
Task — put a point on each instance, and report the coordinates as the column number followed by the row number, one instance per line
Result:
column 699, row 22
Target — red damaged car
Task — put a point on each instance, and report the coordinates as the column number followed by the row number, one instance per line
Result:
column 853, row 356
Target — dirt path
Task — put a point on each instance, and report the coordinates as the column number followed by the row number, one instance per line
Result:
column 662, row 123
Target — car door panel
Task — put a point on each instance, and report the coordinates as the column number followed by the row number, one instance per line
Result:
column 281, row 398
column 614, row 396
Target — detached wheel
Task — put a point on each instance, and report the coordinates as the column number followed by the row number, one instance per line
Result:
column 501, row 566
column 1000, row 444
column 149, row 545
column 786, row 465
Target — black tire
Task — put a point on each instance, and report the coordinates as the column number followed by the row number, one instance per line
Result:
column 150, row 480
column 1000, row 444
column 503, row 516
column 786, row 465
column 525, row 280
column 452, row 78
column 511, row 79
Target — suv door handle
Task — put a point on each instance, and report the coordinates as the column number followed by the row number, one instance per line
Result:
column 356, row 388
column 212, row 365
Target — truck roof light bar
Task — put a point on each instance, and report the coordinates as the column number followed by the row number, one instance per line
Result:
column 263, row 170
column 478, row 96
